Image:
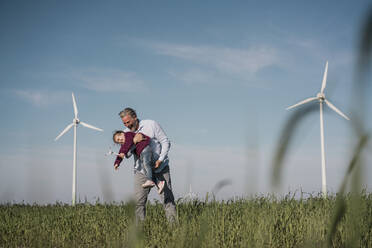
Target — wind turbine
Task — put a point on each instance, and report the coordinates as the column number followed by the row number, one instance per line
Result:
column 321, row 98
column 190, row 196
column 75, row 123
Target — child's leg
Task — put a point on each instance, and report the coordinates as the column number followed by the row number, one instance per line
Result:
column 160, row 183
column 147, row 162
column 146, row 159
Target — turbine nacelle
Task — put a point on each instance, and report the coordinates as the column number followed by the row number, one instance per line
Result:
column 321, row 96
column 76, row 121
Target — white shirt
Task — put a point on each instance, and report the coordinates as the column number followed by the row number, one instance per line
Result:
column 159, row 143
column 159, row 140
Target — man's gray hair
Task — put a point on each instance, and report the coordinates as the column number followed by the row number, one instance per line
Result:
column 128, row 111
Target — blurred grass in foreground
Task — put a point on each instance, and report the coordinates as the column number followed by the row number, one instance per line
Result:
column 257, row 222
column 347, row 210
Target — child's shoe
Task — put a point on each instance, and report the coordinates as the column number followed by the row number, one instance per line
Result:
column 161, row 185
column 148, row 184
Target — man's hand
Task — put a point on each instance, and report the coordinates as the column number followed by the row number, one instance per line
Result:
column 121, row 155
column 116, row 166
column 138, row 138
column 158, row 163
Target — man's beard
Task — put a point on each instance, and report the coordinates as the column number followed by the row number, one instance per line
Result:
column 133, row 127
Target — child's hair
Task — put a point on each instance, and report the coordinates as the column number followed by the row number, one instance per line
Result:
column 115, row 133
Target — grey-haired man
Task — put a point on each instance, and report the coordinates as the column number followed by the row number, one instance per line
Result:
column 160, row 145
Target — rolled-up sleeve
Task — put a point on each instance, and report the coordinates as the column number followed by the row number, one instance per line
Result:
column 163, row 140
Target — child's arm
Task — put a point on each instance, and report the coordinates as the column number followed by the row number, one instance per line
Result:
column 131, row 151
column 138, row 137
column 118, row 160
column 124, row 149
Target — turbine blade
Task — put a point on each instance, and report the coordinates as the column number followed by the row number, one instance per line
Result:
column 302, row 102
column 74, row 103
column 336, row 109
column 90, row 126
column 324, row 78
column 64, row 131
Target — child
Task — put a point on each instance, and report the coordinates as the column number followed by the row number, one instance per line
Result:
column 143, row 152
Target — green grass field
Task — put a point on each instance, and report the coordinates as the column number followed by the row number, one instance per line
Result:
column 256, row 222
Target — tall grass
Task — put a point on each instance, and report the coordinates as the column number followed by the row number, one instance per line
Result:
column 257, row 222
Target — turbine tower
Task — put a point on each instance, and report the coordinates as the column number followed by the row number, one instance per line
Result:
column 321, row 98
column 75, row 123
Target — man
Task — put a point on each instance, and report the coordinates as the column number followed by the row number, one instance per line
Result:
column 160, row 145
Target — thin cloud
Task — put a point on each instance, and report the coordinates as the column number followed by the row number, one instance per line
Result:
column 41, row 98
column 195, row 75
column 317, row 50
column 228, row 60
column 110, row 80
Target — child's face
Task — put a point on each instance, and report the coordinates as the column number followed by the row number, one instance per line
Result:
column 119, row 138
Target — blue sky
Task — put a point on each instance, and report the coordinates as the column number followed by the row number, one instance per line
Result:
column 217, row 76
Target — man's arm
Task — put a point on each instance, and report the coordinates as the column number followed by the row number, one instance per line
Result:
column 164, row 141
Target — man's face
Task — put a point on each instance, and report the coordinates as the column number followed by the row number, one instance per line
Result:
column 130, row 122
